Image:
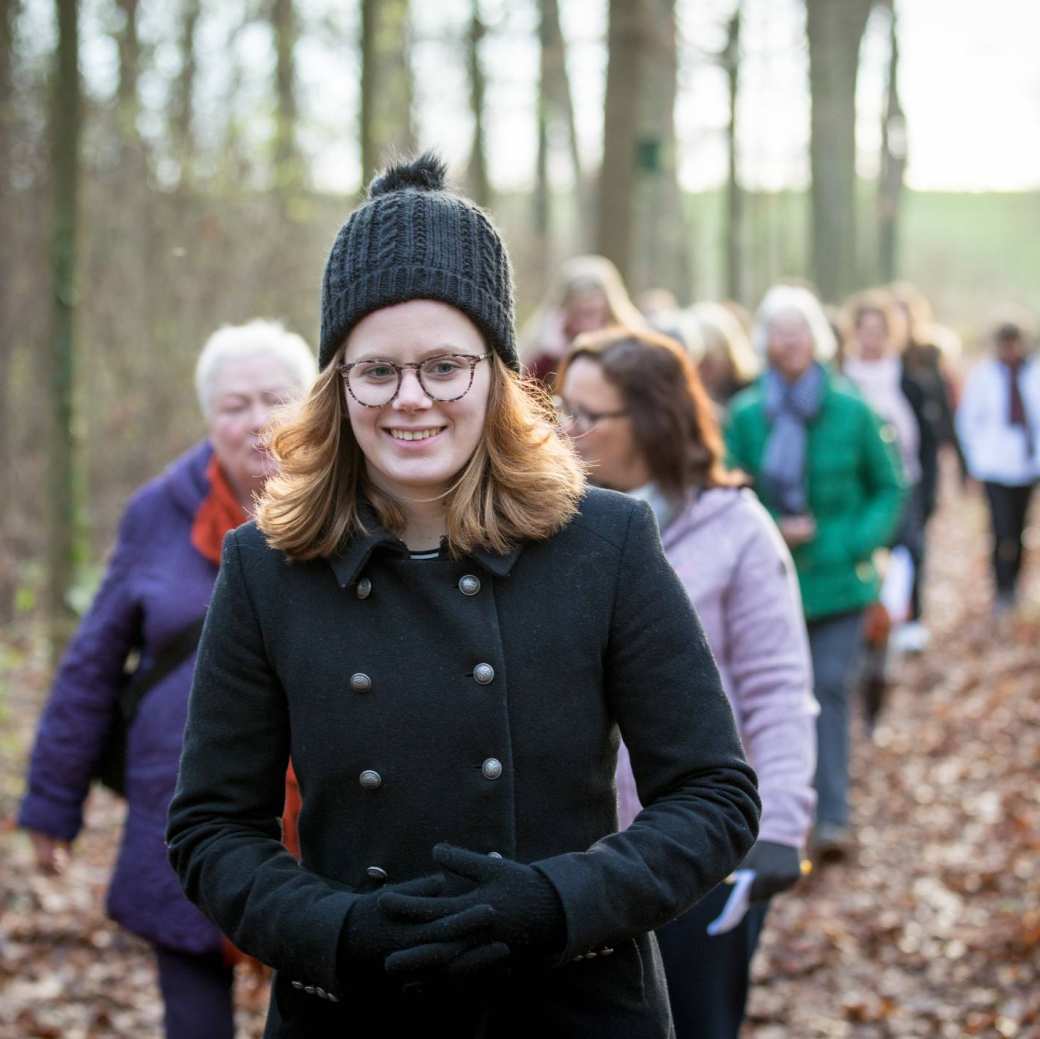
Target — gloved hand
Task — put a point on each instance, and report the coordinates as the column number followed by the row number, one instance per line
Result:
column 527, row 915
column 777, row 867
column 453, row 943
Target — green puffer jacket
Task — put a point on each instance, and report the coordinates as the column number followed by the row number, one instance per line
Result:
column 855, row 492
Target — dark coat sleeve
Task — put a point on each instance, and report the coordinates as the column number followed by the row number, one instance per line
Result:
column 224, row 832
column 701, row 805
column 79, row 712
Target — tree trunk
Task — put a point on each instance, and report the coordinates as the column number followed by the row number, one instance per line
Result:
column 8, row 567
column 893, row 162
column 288, row 169
column 620, row 125
column 183, row 106
column 386, row 84
column 734, row 193
column 659, row 231
column 835, row 29
column 479, row 186
column 128, row 106
column 65, row 134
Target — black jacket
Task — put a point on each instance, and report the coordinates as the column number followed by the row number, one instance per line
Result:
column 366, row 668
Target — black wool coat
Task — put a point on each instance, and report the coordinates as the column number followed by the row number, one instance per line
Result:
column 475, row 701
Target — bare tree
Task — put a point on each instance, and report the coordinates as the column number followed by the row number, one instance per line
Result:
column 128, row 105
column 893, row 159
column 734, row 193
column 835, row 30
column 479, row 185
column 386, row 82
column 65, row 121
column 288, row 169
column 641, row 222
column 183, row 102
column 8, row 574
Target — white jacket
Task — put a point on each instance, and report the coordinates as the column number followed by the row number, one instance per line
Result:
column 995, row 450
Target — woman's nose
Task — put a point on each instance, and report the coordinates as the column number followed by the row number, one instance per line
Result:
column 411, row 394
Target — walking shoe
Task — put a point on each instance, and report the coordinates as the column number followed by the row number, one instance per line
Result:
column 911, row 637
column 831, row 842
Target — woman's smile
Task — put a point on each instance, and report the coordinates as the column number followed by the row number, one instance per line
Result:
column 408, row 435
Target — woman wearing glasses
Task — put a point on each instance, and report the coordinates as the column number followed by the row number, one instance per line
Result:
column 642, row 421
column 446, row 629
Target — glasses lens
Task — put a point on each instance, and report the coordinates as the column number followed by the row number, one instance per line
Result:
column 373, row 382
column 446, row 378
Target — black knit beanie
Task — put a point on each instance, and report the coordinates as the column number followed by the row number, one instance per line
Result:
column 412, row 239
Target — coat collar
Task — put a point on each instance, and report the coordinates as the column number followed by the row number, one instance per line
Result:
column 354, row 554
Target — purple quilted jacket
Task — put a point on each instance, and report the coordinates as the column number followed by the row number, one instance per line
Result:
column 156, row 584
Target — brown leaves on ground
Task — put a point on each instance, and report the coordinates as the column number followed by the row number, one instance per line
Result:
column 931, row 928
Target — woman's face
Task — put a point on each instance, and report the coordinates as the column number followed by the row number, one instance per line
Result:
column 587, row 311
column 789, row 345
column 415, row 444
column 606, row 443
column 244, row 393
column 872, row 339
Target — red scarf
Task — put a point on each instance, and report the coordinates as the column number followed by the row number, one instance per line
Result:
column 219, row 512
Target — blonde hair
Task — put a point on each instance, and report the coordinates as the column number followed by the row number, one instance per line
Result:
column 576, row 276
column 523, row 481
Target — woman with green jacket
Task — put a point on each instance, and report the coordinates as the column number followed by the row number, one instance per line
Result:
column 826, row 469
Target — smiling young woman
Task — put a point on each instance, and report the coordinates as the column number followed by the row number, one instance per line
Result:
column 463, row 632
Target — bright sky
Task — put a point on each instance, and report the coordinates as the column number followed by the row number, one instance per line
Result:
column 970, row 85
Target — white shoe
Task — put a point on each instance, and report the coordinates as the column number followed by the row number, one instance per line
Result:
column 912, row 637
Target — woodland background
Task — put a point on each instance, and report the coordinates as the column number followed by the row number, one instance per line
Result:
column 165, row 168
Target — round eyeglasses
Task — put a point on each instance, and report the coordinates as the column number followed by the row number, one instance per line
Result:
column 375, row 383
column 581, row 420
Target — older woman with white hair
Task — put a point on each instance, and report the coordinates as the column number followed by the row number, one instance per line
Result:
column 155, row 591
column 823, row 466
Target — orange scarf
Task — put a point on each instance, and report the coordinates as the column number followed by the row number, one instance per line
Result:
column 219, row 512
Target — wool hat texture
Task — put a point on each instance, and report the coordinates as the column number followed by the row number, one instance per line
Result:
column 414, row 239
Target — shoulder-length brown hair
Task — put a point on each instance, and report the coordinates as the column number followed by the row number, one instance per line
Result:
column 673, row 419
column 523, row 481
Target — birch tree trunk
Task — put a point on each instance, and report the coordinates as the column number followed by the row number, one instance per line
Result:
column 183, row 100
column 288, row 168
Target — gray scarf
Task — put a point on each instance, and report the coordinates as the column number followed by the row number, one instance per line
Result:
column 790, row 407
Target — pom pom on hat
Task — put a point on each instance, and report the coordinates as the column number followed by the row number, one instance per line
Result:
column 426, row 173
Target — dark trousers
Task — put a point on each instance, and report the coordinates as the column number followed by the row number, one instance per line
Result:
column 835, row 644
column 196, row 992
column 708, row 977
column 1007, row 509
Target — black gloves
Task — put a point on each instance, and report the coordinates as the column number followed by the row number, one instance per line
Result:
column 526, row 913
column 777, row 867
column 451, row 944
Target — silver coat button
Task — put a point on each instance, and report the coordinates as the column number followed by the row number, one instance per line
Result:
column 297, row 984
column 376, row 873
column 319, row 992
column 360, row 683
column 492, row 768
column 309, row 989
column 469, row 584
column 483, row 674
column 370, row 779
column 494, row 854
column 364, row 588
